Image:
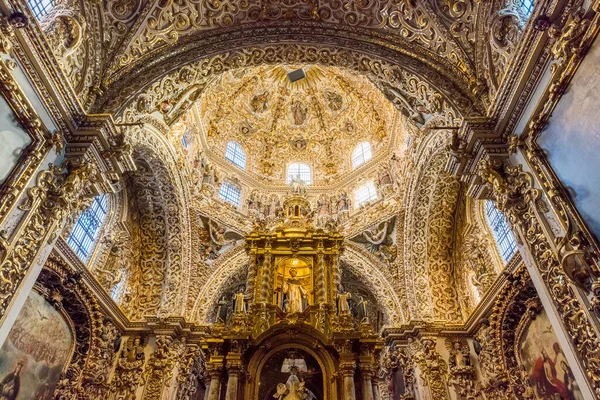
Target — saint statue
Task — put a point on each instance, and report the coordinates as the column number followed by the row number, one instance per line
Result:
column 240, row 302
column 295, row 293
column 363, row 311
column 222, row 307
column 343, row 305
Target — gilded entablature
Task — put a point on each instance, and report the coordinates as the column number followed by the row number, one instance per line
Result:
column 318, row 120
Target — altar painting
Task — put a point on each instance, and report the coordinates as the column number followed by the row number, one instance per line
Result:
column 541, row 355
column 35, row 352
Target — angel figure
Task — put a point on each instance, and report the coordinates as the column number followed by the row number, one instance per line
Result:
column 217, row 234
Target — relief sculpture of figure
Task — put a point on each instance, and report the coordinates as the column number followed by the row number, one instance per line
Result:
column 295, row 293
column 298, row 112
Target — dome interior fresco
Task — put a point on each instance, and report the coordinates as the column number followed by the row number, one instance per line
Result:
column 317, row 120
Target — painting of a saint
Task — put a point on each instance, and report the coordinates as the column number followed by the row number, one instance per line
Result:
column 35, row 352
column 545, row 362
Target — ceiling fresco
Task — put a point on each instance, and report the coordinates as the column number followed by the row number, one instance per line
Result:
column 318, row 120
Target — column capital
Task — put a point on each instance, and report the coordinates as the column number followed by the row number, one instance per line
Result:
column 347, row 368
column 367, row 371
column 214, row 369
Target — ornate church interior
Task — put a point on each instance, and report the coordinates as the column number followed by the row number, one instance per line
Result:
column 299, row 199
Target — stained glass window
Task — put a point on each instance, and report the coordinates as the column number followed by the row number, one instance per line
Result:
column 501, row 231
column 366, row 193
column 299, row 169
column 361, row 154
column 85, row 233
column 40, row 8
column 230, row 192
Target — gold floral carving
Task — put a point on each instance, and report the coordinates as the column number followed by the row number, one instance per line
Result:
column 60, row 192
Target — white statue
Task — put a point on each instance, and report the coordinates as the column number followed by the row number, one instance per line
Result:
column 294, row 388
column 296, row 293
column 298, row 185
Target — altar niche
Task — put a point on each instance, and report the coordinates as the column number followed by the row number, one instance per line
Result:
column 291, row 374
column 293, row 284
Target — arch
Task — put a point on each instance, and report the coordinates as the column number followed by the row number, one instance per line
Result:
column 368, row 269
column 234, row 262
column 235, row 153
column 226, row 268
column 432, row 196
column 94, row 334
column 150, row 144
column 406, row 81
column 304, row 337
column 361, row 154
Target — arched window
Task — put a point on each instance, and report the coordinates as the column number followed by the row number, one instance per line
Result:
column 365, row 193
column 361, row 154
column 301, row 170
column 230, row 193
column 501, row 231
column 41, row 8
column 236, row 154
column 87, row 228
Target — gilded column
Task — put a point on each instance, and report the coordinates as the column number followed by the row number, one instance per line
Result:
column 234, row 368
column 335, row 267
column 347, row 370
column 366, row 372
column 266, row 274
column 214, row 388
column 321, row 295
column 251, row 275
column 376, row 393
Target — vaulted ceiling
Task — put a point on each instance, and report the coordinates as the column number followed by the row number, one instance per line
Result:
column 376, row 70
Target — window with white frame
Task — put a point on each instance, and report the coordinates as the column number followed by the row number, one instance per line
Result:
column 41, row 8
column 361, row 154
column 231, row 193
column 365, row 193
column 301, row 170
column 236, row 154
column 85, row 232
column 501, row 231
